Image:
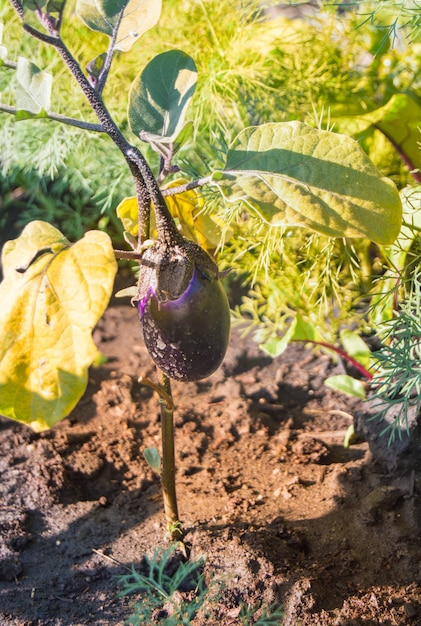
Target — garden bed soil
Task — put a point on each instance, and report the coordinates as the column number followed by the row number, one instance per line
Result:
column 282, row 512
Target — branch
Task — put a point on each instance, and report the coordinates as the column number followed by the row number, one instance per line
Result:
column 146, row 185
column 70, row 121
column 128, row 255
column 9, row 64
column 107, row 123
column 173, row 191
column 110, row 54
column 164, row 221
column 51, row 40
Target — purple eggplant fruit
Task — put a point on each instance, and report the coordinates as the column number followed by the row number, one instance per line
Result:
column 184, row 310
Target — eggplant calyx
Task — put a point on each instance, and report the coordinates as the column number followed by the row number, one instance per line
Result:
column 167, row 270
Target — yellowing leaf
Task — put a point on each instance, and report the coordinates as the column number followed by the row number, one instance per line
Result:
column 185, row 207
column 195, row 224
column 138, row 17
column 52, row 295
column 128, row 212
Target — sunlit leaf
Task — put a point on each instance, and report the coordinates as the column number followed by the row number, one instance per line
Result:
column 399, row 120
column 356, row 347
column 298, row 330
column 188, row 208
column 127, row 211
column 347, row 384
column 305, row 331
column 51, row 297
column 275, row 346
column 292, row 174
column 159, row 97
column 95, row 17
column 33, row 89
column 139, row 16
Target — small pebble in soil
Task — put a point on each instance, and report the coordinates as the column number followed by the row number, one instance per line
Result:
column 410, row 610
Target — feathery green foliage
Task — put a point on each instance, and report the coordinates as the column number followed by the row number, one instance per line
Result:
column 173, row 592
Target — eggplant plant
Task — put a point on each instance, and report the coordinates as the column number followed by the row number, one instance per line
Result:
column 284, row 174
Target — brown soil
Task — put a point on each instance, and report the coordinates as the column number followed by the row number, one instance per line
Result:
column 283, row 513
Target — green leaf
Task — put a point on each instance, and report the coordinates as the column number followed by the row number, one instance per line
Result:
column 298, row 330
column 33, row 89
column 305, row 331
column 276, row 346
column 292, row 174
column 153, row 459
column 346, row 384
column 399, row 120
column 51, row 297
column 55, row 6
column 93, row 15
column 350, row 436
column 139, row 16
column 33, row 5
column 160, row 95
column 111, row 8
column 356, row 347
column 26, row 115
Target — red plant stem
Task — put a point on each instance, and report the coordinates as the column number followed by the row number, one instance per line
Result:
column 345, row 356
column 416, row 174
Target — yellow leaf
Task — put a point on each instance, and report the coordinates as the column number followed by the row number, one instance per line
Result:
column 195, row 224
column 128, row 211
column 52, row 295
column 187, row 208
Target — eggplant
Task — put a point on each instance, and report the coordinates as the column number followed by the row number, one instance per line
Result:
column 184, row 310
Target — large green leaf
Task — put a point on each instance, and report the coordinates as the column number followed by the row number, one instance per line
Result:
column 139, row 16
column 292, row 174
column 160, row 95
column 51, row 297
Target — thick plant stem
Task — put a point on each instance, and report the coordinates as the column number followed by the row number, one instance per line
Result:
column 168, row 464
